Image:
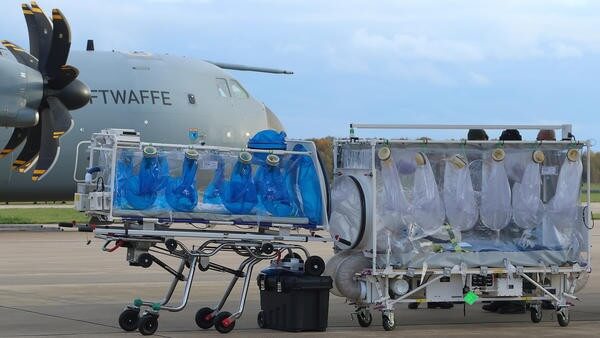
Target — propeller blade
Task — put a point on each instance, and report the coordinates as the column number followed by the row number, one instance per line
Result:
column 61, row 118
column 17, row 137
column 34, row 47
column 66, row 74
column 61, row 44
column 44, row 35
column 49, row 148
column 29, row 153
column 21, row 55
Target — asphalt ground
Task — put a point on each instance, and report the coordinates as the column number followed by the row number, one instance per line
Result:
column 55, row 284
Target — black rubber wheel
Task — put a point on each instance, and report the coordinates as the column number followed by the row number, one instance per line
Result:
column 128, row 320
column 365, row 318
column 388, row 324
column 148, row 324
column 536, row 315
column 171, row 244
column 563, row 318
column 267, row 248
column 314, row 266
column 260, row 320
column 204, row 318
column 222, row 324
column 145, row 260
column 413, row 306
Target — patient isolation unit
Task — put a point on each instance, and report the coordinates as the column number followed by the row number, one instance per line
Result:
column 261, row 202
column 418, row 221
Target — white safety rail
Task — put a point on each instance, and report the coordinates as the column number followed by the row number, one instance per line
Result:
column 425, row 280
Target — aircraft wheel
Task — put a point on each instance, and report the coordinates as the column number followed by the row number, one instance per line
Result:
column 148, row 324
column 128, row 320
column 222, row 322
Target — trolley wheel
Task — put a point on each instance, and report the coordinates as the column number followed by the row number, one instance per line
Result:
column 145, row 260
column 222, row 322
column 364, row 317
column 260, row 319
column 314, row 266
column 171, row 245
column 128, row 319
column 536, row 315
column 204, row 318
column 148, row 324
column 563, row 318
column 267, row 248
column 387, row 319
column 413, row 306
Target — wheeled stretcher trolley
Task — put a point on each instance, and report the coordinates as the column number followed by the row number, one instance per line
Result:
column 459, row 221
column 148, row 198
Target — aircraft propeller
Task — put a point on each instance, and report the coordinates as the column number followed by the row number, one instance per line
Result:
column 47, row 110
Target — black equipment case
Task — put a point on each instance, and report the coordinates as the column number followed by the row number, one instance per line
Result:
column 294, row 302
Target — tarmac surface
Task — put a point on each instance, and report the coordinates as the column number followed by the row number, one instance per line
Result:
column 53, row 284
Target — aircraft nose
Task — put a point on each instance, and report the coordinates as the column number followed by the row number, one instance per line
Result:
column 273, row 121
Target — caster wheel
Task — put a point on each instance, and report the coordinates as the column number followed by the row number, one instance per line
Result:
column 536, row 315
column 364, row 318
column 222, row 322
column 148, row 324
column 389, row 324
column 413, row 306
column 563, row 318
column 171, row 245
column 204, row 318
column 128, row 320
column 267, row 248
column 145, row 260
column 314, row 266
column 260, row 319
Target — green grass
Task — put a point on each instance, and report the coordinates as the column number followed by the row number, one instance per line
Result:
column 594, row 196
column 40, row 216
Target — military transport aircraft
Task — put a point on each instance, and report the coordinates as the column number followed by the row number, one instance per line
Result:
column 161, row 96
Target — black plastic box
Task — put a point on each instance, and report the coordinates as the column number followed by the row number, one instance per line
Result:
column 294, row 302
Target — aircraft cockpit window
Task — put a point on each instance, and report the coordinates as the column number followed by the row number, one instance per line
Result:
column 223, row 88
column 237, row 90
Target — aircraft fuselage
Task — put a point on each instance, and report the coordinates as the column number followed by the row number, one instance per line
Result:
column 160, row 96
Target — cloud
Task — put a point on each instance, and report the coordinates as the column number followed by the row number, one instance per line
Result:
column 564, row 51
column 408, row 46
column 478, row 79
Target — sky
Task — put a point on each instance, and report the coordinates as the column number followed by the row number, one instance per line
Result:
column 421, row 61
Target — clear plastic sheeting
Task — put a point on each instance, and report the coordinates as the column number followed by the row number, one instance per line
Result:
column 528, row 209
column 459, row 196
column 427, row 208
column 495, row 210
column 187, row 185
column 347, row 219
column 561, row 210
column 456, row 204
